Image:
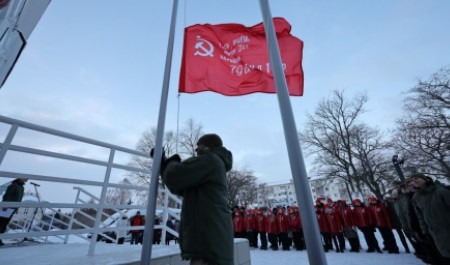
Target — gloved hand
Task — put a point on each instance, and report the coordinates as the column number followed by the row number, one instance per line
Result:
column 175, row 157
column 152, row 152
column 163, row 159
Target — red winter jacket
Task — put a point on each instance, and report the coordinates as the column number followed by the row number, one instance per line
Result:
column 295, row 224
column 282, row 222
column 334, row 220
column 238, row 223
column 363, row 216
column 321, row 219
column 271, row 224
column 260, row 222
column 347, row 216
column 137, row 220
column 249, row 221
column 380, row 215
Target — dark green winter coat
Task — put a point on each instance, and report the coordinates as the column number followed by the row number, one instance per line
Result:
column 14, row 192
column 402, row 209
column 432, row 205
column 206, row 230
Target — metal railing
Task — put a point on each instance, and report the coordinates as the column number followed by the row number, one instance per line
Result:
column 17, row 145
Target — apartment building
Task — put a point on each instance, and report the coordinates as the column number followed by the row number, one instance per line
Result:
column 283, row 194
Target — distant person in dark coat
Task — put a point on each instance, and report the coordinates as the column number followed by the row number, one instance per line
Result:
column 14, row 193
column 169, row 236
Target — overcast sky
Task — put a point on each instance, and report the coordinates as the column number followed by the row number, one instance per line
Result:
column 95, row 69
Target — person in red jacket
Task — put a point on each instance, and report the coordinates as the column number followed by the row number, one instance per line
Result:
column 272, row 229
column 249, row 227
column 260, row 228
column 136, row 234
column 363, row 220
column 334, row 220
column 383, row 222
column 323, row 224
column 238, row 224
column 295, row 226
column 282, row 226
column 348, row 224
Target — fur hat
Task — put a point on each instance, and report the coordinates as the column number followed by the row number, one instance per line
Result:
column 210, row 140
column 422, row 176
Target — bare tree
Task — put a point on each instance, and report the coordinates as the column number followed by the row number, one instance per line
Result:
column 145, row 144
column 423, row 133
column 370, row 150
column 119, row 196
column 241, row 186
column 342, row 146
column 189, row 137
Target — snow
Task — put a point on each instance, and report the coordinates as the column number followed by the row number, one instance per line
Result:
column 75, row 253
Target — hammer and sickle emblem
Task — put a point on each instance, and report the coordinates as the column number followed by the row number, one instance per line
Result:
column 204, row 47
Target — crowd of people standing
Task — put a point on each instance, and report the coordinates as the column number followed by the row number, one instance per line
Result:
column 417, row 209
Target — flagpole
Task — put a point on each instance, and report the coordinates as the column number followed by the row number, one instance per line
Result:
column 146, row 252
column 314, row 245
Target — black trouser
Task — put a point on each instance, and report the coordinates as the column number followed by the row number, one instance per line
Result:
column 273, row 240
column 298, row 239
column 283, row 237
column 3, row 224
column 240, row 235
column 156, row 236
column 341, row 241
column 251, row 238
column 136, row 237
column 402, row 237
column 263, row 239
column 371, row 240
column 327, row 241
column 389, row 239
column 255, row 239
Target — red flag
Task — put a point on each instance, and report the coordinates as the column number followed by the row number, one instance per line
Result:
column 233, row 60
column 4, row 3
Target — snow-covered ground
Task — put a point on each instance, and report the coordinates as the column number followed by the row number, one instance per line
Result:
column 75, row 253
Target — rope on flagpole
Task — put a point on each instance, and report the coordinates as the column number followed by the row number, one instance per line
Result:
column 178, row 123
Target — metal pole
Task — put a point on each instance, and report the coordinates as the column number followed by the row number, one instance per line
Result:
column 98, row 215
column 146, row 252
column 304, row 197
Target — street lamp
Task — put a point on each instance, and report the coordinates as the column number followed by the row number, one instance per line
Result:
column 397, row 164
